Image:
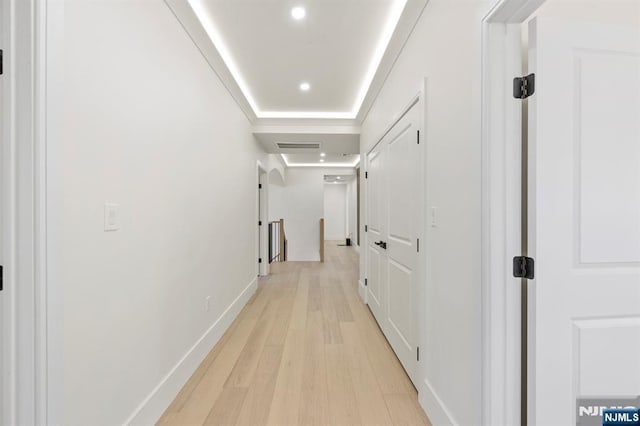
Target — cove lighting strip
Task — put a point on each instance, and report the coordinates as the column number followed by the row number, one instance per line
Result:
column 344, row 165
column 199, row 9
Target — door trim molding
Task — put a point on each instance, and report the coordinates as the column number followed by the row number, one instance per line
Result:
column 501, row 124
column 30, row 30
column 262, row 213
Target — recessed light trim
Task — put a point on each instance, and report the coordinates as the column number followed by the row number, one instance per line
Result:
column 322, row 154
column 298, row 13
column 305, row 87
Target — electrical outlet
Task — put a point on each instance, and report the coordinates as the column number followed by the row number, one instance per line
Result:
column 207, row 303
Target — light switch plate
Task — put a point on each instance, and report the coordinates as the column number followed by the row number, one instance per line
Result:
column 111, row 219
column 434, row 221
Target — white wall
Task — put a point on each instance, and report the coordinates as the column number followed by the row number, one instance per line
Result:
column 149, row 126
column 445, row 47
column 335, row 211
column 300, row 202
column 612, row 12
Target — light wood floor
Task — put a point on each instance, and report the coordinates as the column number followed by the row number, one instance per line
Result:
column 305, row 350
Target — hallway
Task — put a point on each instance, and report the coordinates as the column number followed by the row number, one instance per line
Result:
column 305, row 350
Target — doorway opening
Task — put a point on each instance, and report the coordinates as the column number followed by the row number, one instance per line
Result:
column 262, row 222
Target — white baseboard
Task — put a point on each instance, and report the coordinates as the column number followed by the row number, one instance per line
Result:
column 434, row 407
column 154, row 405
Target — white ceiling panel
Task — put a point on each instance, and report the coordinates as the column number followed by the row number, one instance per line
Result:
column 336, row 48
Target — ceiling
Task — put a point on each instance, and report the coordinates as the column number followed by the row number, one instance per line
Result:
column 343, row 49
column 332, row 48
column 334, row 143
column 316, row 159
column 338, row 178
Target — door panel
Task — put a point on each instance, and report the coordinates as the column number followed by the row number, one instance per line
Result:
column 401, row 296
column 584, row 217
column 374, row 277
column 401, row 171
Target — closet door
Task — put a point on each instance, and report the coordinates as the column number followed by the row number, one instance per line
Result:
column 401, row 260
column 392, row 253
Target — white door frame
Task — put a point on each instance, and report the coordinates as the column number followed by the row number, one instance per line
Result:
column 32, row 32
column 501, row 209
column 262, row 214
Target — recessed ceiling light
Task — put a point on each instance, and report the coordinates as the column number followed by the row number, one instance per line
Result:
column 322, row 154
column 339, row 177
column 321, row 160
column 305, row 86
column 298, row 13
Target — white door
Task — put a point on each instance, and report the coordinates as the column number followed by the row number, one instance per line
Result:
column 375, row 234
column 584, row 217
column 393, row 193
column 4, row 305
column 263, row 224
column 401, row 170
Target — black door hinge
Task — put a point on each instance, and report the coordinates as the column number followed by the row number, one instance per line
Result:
column 366, row 175
column 1, row 65
column 523, row 267
column 366, row 228
column 259, row 186
column 365, row 282
column 418, row 138
column 259, row 223
column 417, row 353
column 418, row 245
column 523, row 87
column 1, row 277
column 259, row 260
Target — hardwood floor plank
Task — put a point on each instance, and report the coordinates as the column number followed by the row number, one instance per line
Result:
column 257, row 403
column 405, row 410
column 227, row 407
column 300, row 304
column 343, row 408
column 314, row 407
column 282, row 318
column 331, row 327
column 315, row 294
column 369, row 398
column 245, row 366
column 286, row 397
column 343, row 311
